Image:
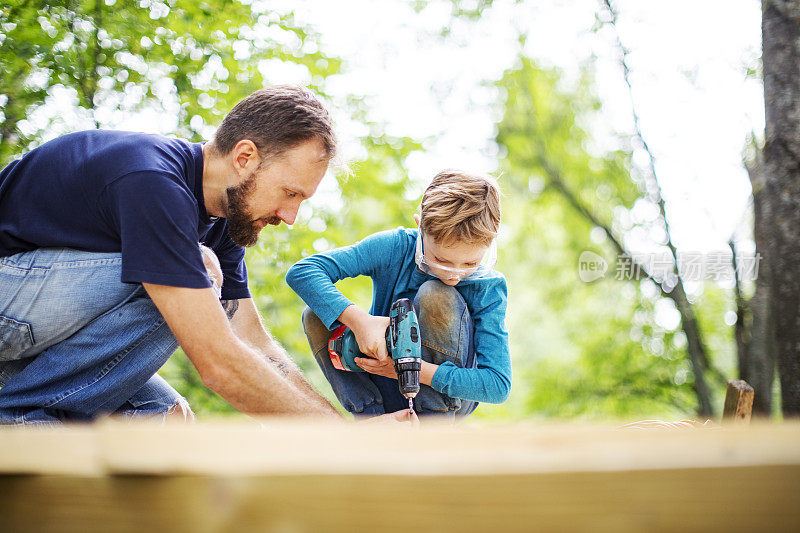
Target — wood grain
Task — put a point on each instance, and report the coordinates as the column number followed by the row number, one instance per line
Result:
column 296, row 477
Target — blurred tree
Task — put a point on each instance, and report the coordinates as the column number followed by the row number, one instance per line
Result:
column 671, row 282
column 755, row 325
column 779, row 219
column 564, row 190
column 190, row 60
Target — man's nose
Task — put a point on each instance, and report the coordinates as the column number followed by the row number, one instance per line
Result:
column 288, row 215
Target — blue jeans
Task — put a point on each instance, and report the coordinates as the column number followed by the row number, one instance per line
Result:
column 446, row 329
column 77, row 343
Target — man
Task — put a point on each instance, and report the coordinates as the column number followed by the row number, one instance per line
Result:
column 101, row 272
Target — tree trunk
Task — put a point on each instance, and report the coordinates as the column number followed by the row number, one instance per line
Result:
column 757, row 357
column 781, row 59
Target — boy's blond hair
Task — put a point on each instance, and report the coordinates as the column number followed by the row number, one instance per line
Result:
column 461, row 207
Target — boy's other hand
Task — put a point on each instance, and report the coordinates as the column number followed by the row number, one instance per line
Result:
column 371, row 337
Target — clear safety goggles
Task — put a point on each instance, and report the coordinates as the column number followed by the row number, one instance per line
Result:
column 432, row 268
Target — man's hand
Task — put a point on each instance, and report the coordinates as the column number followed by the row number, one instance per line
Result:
column 406, row 415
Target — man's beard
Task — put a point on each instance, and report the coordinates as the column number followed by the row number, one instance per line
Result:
column 240, row 221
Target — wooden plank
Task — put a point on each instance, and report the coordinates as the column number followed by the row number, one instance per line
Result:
column 286, row 447
column 694, row 500
column 738, row 403
column 66, row 450
column 292, row 448
column 296, row 476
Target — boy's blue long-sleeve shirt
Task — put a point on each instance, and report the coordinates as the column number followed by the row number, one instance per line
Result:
column 388, row 258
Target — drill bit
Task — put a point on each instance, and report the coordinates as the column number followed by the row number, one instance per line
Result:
column 411, row 404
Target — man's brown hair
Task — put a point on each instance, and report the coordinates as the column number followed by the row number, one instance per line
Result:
column 277, row 119
column 461, row 207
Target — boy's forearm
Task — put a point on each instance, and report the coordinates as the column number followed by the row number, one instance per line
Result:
column 353, row 317
column 426, row 372
column 314, row 283
column 485, row 385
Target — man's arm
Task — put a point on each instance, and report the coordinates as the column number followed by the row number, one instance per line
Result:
column 247, row 325
column 227, row 365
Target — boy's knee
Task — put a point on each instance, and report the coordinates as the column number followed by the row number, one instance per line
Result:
column 437, row 303
column 311, row 321
column 316, row 332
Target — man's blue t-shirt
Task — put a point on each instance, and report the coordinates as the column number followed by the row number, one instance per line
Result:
column 114, row 191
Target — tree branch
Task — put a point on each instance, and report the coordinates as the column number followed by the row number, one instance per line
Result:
column 654, row 188
column 697, row 350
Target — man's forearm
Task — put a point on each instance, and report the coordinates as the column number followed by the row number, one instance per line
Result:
column 247, row 326
column 252, row 385
column 226, row 364
column 283, row 364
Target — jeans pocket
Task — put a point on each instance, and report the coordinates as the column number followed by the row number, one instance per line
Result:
column 15, row 338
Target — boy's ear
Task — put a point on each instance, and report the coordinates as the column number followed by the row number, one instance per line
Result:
column 416, row 218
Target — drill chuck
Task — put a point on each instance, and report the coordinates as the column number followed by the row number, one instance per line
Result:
column 407, row 369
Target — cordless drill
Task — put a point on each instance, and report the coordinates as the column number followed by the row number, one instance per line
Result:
column 402, row 344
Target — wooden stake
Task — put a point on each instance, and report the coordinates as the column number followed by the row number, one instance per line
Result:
column 738, row 403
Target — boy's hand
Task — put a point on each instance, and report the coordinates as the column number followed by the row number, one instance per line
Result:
column 383, row 368
column 371, row 337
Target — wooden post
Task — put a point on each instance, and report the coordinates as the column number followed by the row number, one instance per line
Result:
column 738, row 403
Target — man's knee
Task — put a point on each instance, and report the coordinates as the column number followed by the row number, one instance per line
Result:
column 181, row 411
column 437, row 304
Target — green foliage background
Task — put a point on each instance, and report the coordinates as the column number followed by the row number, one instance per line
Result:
column 579, row 350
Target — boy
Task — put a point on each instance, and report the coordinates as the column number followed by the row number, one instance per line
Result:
column 445, row 267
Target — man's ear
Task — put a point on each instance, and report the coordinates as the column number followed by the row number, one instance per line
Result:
column 244, row 157
column 416, row 218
